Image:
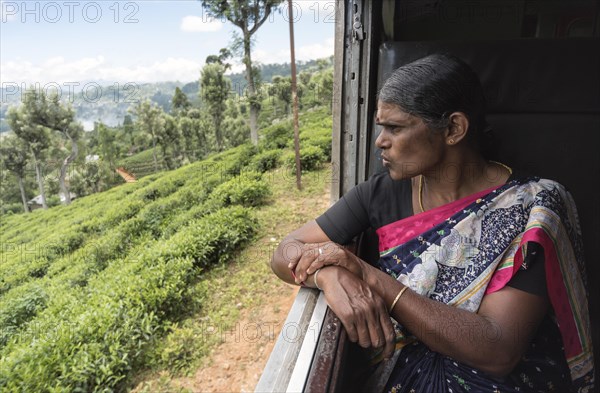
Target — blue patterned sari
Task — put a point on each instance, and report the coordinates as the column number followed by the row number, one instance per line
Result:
column 458, row 253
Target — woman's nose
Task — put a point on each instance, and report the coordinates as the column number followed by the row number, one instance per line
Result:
column 381, row 142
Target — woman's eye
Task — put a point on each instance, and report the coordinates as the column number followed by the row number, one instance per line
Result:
column 392, row 129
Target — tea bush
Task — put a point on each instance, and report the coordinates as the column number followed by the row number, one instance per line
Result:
column 276, row 136
column 311, row 158
column 79, row 308
column 87, row 289
column 323, row 142
column 265, row 161
column 247, row 189
column 90, row 343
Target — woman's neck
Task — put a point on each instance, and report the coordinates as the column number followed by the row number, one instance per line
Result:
column 458, row 176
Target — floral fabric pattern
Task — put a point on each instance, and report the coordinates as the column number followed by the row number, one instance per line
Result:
column 459, row 252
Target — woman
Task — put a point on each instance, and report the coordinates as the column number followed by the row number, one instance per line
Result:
column 478, row 264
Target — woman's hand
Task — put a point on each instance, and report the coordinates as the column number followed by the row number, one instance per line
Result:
column 362, row 312
column 317, row 255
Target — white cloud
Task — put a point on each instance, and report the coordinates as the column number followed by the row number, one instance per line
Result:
column 58, row 70
column 236, row 68
column 195, row 24
column 315, row 51
column 303, row 53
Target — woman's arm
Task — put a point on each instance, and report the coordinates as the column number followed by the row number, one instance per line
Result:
column 292, row 249
column 492, row 340
column 361, row 310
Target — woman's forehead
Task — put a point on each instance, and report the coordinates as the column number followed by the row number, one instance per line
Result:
column 392, row 112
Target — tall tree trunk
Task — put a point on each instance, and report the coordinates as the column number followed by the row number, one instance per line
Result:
column 251, row 90
column 40, row 180
column 63, row 169
column 23, row 197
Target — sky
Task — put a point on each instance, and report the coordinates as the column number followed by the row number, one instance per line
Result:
column 73, row 42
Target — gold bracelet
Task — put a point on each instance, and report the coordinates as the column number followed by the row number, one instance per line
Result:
column 315, row 279
column 397, row 298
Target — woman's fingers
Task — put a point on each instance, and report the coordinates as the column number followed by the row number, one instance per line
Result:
column 312, row 253
column 351, row 329
column 389, row 335
column 376, row 330
column 382, row 334
column 292, row 252
column 364, row 328
column 361, row 311
column 309, row 255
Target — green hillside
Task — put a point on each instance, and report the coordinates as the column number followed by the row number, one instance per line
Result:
column 87, row 289
column 114, row 102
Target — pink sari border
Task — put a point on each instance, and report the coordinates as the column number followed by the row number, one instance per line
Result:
column 557, row 290
column 401, row 231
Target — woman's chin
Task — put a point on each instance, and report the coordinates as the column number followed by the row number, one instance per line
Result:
column 393, row 174
column 397, row 174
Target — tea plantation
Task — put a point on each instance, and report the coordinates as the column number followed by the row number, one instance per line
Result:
column 86, row 289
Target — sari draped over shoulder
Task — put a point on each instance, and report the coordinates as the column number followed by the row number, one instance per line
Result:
column 459, row 252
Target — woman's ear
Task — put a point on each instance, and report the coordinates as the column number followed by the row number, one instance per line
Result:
column 457, row 128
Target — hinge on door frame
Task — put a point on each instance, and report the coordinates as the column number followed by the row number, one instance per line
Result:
column 357, row 27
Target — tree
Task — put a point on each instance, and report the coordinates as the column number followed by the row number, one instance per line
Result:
column 106, row 143
column 215, row 88
column 62, row 120
column 235, row 128
column 281, row 88
column 128, row 129
column 321, row 87
column 248, row 15
column 180, row 103
column 35, row 136
column 49, row 114
column 186, row 128
column 169, row 140
column 200, row 127
column 224, row 54
column 304, row 77
column 14, row 153
column 149, row 118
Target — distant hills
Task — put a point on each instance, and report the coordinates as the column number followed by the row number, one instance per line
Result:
column 109, row 103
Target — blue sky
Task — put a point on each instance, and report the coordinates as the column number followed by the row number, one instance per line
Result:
column 140, row 41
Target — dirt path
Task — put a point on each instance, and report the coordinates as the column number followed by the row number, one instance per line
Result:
column 237, row 364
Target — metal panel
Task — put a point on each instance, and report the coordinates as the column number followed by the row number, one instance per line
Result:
column 309, row 345
column 349, row 142
column 338, row 94
column 358, row 91
column 281, row 363
column 367, row 90
column 322, row 378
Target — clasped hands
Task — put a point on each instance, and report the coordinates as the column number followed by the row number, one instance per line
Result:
column 343, row 279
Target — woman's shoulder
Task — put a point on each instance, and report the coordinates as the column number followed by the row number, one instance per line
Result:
column 527, row 181
column 536, row 190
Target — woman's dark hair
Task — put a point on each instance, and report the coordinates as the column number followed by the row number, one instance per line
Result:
column 434, row 87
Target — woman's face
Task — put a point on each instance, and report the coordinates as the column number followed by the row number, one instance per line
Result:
column 408, row 146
